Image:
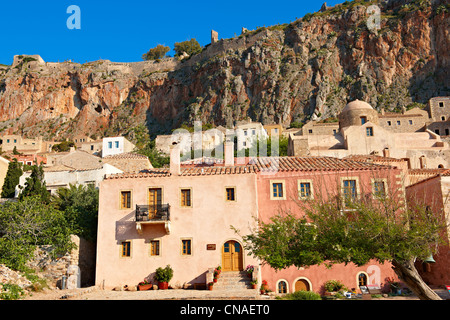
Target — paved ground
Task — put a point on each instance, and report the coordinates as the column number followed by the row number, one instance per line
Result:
column 94, row 293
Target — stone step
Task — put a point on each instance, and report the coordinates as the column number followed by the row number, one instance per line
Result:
column 233, row 280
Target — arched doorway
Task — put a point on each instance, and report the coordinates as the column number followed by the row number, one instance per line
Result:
column 302, row 284
column 232, row 256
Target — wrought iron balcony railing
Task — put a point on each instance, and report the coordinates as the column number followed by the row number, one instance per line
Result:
column 159, row 212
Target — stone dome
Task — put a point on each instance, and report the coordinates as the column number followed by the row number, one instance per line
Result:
column 357, row 113
column 357, row 105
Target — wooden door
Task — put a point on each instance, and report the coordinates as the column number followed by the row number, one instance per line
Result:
column 301, row 285
column 154, row 199
column 232, row 256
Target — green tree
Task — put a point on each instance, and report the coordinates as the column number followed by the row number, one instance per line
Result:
column 328, row 233
column 191, row 47
column 29, row 223
column 157, row 158
column 35, row 185
column 12, row 179
column 156, row 53
column 63, row 146
column 80, row 206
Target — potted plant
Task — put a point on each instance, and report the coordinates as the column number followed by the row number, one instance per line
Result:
column 218, row 270
column 394, row 285
column 144, row 285
column 163, row 276
column 333, row 286
column 216, row 274
column 264, row 287
column 210, row 285
column 249, row 270
column 254, row 283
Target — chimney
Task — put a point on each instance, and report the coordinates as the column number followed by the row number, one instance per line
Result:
column 228, row 147
column 423, row 162
column 175, row 159
column 386, row 153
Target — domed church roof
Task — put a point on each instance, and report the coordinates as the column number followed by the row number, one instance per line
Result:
column 357, row 105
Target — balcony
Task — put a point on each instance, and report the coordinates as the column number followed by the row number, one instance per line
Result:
column 148, row 215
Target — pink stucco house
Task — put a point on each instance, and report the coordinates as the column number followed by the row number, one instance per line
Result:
column 433, row 192
column 301, row 178
column 183, row 216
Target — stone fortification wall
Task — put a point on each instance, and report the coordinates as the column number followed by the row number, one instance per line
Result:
column 78, row 266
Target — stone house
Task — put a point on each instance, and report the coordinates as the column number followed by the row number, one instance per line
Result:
column 24, row 145
column 61, row 176
column 360, row 131
column 128, row 162
column 116, row 145
column 75, row 159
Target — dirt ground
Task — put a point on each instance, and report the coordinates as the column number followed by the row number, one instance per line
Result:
column 94, row 293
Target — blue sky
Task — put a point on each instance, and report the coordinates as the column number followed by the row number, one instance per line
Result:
column 124, row 30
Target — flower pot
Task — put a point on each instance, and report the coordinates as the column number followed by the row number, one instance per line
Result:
column 163, row 285
column 144, row 287
column 210, row 288
column 253, row 286
column 215, row 279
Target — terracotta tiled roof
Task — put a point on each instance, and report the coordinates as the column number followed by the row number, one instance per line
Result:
column 260, row 164
column 427, row 171
column 376, row 158
column 127, row 155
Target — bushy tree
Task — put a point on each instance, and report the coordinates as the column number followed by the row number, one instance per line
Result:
column 80, row 205
column 191, row 47
column 35, row 185
column 12, row 179
column 29, row 223
column 365, row 229
column 156, row 53
column 63, row 146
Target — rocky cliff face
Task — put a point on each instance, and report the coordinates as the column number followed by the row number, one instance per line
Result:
column 307, row 69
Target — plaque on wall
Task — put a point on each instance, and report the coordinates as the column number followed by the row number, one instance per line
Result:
column 210, row 247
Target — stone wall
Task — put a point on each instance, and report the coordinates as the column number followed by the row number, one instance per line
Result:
column 83, row 257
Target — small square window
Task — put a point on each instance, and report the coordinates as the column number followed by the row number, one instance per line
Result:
column 410, row 122
column 398, row 123
column 310, row 131
column 443, row 118
column 186, row 249
column 126, row 249
column 125, row 199
column 154, row 247
column 349, row 190
column 277, row 189
column 441, row 104
column 231, row 196
column 369, row 132
column 117, row 144
column 185, row 197
column 363, row 120
column 379, row 190
column 389, row 123
column 110, row 145
column 305, row 190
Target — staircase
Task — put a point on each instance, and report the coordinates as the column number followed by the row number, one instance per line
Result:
column 233, row 280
